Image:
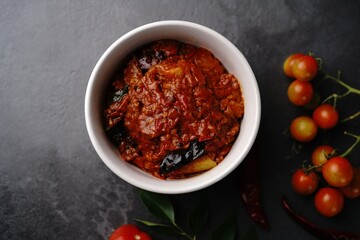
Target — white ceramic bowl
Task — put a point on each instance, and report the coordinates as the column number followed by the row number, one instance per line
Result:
column 194, row 34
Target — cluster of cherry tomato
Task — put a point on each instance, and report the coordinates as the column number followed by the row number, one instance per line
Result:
column 341, row 178
column 303, row 68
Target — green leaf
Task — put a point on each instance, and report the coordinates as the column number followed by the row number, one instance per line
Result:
column 226, row 230
column 199, row 216
column 159, row 227
column 159, row 205
column 250, row 234
column 151, row 224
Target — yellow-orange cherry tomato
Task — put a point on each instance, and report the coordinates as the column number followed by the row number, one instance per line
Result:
column 304, row 68
column 303, row 129
column 320, row 155
column 289, row 62
column 300, row 92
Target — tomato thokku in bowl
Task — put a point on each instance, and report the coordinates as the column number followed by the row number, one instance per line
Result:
column 172, row 107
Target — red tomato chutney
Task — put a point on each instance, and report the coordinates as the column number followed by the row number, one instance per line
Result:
column 172, row 104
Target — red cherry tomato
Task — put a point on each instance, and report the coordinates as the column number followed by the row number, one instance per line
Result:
column 304, row 183
column 326, row 116
column 338, row 172
column 353, row 189
column 289, row 62
column 329, row 201
column 303, row 129
column 320, row 155
column 129, row 232
column 304, row 68
column 300, row 92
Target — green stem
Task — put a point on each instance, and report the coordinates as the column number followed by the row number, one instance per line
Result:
column 357, row 137
column 351, row 117
column 337, row 80
column 183, row 233
column 348, row 87
column 309, row 169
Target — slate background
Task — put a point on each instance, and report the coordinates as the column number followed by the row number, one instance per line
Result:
column 52, row 183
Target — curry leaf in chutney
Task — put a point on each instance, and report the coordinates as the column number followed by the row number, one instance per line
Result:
column 117, row 133
column 118, row 95
column 181, row 157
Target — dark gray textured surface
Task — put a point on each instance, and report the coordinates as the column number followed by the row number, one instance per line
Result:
column 52, row 183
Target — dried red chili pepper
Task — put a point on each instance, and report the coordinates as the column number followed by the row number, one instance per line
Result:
column 321, row 233
column 250, row 189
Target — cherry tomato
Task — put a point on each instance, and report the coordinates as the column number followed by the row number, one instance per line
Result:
column 320, row 155
column 300, row 92
column 338, row 172
column 326, row 116
column 129, row 232
column 304, row 183
column 289, row 62
column 304, row 68
column 329, row 201
column 353, row 189
column 303, row 129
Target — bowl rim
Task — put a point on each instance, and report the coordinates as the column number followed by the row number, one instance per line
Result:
column 161, row 186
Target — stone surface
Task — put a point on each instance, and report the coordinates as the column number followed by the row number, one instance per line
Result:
column 52, row 183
